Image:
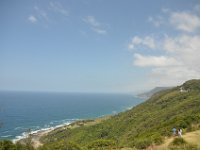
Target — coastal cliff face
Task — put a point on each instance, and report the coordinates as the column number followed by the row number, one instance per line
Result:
column 146, row 124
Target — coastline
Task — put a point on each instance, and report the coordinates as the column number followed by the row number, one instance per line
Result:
column 38, row 134
column 61, row 109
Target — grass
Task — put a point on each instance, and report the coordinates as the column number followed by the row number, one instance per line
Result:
column 141, row 127
column 189, row 141
column 181, row 144
column 193, row 138
column 145, row 124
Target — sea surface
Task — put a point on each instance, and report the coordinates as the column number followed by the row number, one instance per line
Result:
column 21, row 111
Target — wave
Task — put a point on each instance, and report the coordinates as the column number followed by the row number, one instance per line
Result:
column 19, row 128
column 51, row 126
column 5, row 136
column 129, row 108
column 5, row 131
column 48, row 127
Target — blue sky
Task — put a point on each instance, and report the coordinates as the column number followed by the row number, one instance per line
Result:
column 98, row 45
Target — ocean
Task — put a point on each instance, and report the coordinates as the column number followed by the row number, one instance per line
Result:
column 35, row 111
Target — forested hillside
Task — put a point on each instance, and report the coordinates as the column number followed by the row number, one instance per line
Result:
column 140, row 127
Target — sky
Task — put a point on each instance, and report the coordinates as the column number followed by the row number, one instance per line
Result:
column 98, row 45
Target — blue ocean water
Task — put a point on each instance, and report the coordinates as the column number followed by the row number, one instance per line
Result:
column 20, row 111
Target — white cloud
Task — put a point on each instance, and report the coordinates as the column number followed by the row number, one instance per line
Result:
column 154, row 61
column 92, row 21
column 41, row 14
column 185, row 21
column 184, row 47
column 147, row 41
column 95, row 25
column 58, row 8
column 178, row 59
column 137, row 40
column 32, row 19
column 165, row 10
column 46, row 14
column 157, row 21
column 172, row 76
column 99, row 31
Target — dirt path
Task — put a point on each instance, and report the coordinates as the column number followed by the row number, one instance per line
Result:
column 193, row 137
column 190, row 137
column 162, row 146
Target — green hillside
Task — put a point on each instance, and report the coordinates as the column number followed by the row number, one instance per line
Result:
column 153, row 91
column 144, row 125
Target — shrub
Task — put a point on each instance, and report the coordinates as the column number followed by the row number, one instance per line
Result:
column 181, row 144
column 142, row 143
column 61, row 146
column 183, row 147
column 20, row 146
column 178, row 141
column 7, row 145
column 158, row 140
column 183, row 124
column 71, row 146
column 101, row 143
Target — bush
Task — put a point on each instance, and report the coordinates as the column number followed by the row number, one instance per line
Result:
column 20, row 146
column 101, row 143
column 142, row 143
column 71, row 146
column 158, row 140
column 183, row 124
column 61, row 146
column 181, row 144
column 178, row 141
column 8, row 145
column 183, row 147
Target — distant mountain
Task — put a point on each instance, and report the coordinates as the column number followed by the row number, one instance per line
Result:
column 153, row 91
column 148, row 123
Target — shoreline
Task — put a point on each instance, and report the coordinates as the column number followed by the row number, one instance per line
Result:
column 38, row 134
column 34, row 132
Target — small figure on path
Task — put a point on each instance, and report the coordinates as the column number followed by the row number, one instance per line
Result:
column 180, row 132
column 174, row 131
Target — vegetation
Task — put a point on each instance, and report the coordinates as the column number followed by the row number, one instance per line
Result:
column 61, row 145
column 144, row 125
column 8, row 145
column 153, row 91
column 178, row 141
column 181, row 144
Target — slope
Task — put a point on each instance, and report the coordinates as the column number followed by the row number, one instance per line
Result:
column 146, row 124
column 153, row 91
column 191, row 138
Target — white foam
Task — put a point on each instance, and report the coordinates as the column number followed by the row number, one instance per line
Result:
column 6, row 131
column 47, row 127
column 19, row 128
column 5, row 136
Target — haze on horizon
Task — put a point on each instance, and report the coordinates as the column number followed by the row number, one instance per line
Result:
column 98, row 45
